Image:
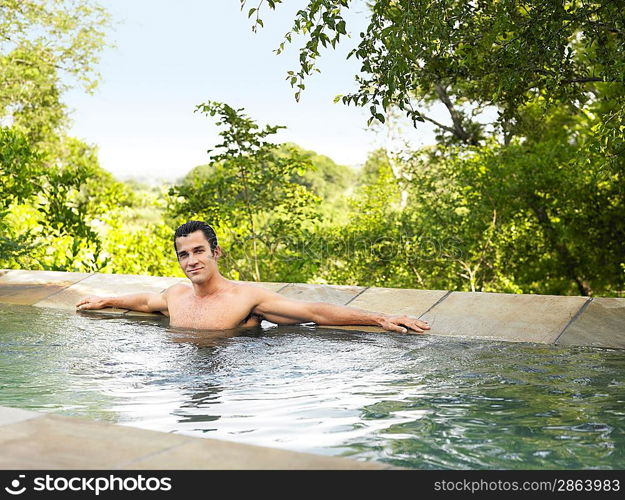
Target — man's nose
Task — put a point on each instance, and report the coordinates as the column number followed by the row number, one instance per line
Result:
column 192, row 259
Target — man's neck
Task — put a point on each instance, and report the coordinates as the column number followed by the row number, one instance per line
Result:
column 212, row 286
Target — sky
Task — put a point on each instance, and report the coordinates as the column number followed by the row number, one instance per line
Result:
column 171, row 56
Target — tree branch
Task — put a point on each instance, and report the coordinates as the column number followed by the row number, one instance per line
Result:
column 457, row 119
column 589, row 80
column 438, row 124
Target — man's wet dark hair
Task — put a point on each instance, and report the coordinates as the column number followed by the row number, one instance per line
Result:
column 195, row 225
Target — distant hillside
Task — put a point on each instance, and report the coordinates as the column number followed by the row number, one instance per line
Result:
column 327, row 179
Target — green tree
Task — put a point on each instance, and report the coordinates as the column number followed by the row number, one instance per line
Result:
column 468, row 55
column 248, row 192
column 325, row 178
column 50, row 212
column 537, row 216
column 554, row 72
column 20, row 174
column 377, row 162
column 76, row 195
column 366, row 248
column 45, row 48
column 52, row 187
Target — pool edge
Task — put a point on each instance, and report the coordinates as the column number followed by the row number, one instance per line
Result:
column 37, row 441
column 548, row 319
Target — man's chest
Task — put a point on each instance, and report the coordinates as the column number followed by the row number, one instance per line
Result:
column 217, row 313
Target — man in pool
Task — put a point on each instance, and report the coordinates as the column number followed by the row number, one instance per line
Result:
column 213, row 302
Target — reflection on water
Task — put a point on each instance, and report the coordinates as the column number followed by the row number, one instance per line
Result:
column 413, row 401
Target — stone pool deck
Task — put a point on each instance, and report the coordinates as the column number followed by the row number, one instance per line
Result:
column 549, row 319
column 37, row 441
column 30, row 440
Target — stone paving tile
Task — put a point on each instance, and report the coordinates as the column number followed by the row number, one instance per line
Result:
column 58, row 442
column 518, row 318
column 224, row 455
column 601, row 324
column 334, row 294
column 168, row 281
column 272, row 286
column 398, row 301
column 29, row 287
column 108, row 285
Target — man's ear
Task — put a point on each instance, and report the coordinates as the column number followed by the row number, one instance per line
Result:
column 217, row 252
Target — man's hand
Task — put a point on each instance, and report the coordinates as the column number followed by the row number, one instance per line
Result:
column 403, row 324
column 92, row 302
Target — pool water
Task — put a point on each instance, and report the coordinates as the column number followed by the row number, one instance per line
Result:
column 423, row 402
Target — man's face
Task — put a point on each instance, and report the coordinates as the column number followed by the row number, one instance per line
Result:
column 195, row 256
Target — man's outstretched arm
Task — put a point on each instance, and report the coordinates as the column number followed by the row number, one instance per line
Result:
column 143, row 302
column 279, row 309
